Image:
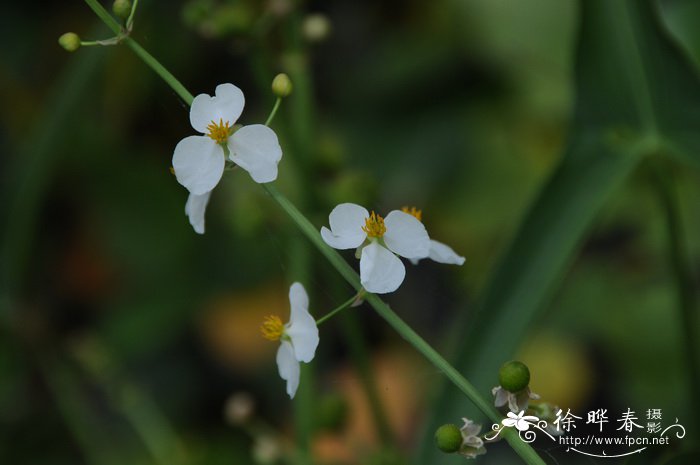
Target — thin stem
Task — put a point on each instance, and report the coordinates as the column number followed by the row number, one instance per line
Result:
column 130, row 19
column 339, row 308
column 274, row 111
column 105, row 16
column 682, row 274
column 141, row 52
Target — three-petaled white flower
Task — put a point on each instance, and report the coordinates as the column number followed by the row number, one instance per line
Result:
column 298, row 338
column 439, row 252
column 377, row 240
column 472, row 444
column 199, row 161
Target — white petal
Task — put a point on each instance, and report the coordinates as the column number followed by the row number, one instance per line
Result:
column 195, row 208
column 288, row 367
column 255, row 148
column 405, row 235
column 380, row 270
column 346, row 221
column 442, row 253
column 302, row 327
column 469, row 428
column 198, row 163
column 227, row 105
column 501, row 396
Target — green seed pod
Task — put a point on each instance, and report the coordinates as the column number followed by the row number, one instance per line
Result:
column 281, row 85
column 514, row 376
column 70, row 41
column 121, row 8
column 448, row 438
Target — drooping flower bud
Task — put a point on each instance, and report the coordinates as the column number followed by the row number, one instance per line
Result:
column 448, row 438
column 514, row 376
column 69, row 41
column 281, row 85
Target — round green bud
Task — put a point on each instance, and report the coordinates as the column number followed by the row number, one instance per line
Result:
column 316, row 27
column 448, row 438
column 514, row 376
column 121, row 8
column 70, row 41
column 281, row 85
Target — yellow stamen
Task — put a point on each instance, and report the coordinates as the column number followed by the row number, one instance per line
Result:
column 219, row 132
column 413, row 211
column 374, row 226
column 272, row 328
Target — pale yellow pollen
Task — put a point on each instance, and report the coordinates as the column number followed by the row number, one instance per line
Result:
column 219, row 132
column 413, row 211
column 374, row 226
column 272, row 328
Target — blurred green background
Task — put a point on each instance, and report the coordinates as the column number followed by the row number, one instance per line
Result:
column 124, row 334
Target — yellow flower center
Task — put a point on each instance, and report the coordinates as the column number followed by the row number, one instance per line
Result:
column 219, row 132
column 413, row 211
column 272, row 328
column 374, row 226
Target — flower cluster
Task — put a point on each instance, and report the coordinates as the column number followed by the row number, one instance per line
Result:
column 199, row 162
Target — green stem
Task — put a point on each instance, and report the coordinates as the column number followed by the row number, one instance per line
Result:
column 274, row 111
column 337, row 309
column 141, row 52
column 130, row 19
column 683, row 277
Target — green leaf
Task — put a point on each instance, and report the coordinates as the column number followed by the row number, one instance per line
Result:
column 636, row 95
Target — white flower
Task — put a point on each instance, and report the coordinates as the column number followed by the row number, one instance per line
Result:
column 472, row 444
column 298, row 338
column 199, row 161
column 517, row 401
column 377, row 241
column 439, row 252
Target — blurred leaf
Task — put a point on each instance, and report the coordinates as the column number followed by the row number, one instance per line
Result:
column 636, row 96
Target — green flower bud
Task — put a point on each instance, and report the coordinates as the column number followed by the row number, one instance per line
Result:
column 448, row 438
column 281, row 85
column 316, row 27
column 121, row 8
column 70, row 41
column 514, row 376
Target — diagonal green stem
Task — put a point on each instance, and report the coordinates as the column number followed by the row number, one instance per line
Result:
column 337, row 309
column 141, row 52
